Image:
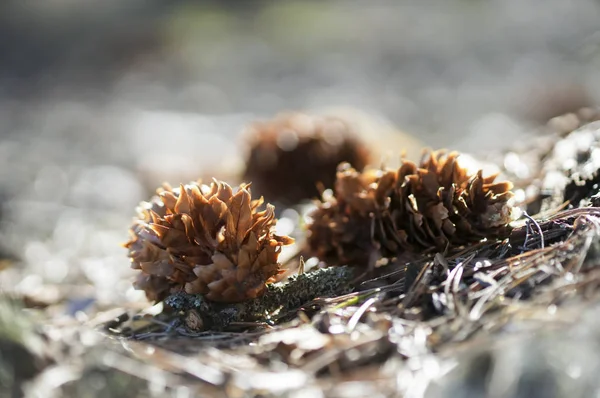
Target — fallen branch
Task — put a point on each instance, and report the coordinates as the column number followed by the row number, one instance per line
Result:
column 280, row 302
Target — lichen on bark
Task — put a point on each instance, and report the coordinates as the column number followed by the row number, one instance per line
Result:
column 280, row 302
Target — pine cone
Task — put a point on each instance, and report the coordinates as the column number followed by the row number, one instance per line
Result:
column 434, row 206
column 343, row 227
column 294, row 153
column 205, row 240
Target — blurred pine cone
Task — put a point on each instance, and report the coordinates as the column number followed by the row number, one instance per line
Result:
column 206, row 240
column 434, row 206
column 292, row 154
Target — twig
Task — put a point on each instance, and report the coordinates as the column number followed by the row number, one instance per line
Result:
column 280, row 300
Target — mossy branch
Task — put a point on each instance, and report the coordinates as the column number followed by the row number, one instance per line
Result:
column 280, row 301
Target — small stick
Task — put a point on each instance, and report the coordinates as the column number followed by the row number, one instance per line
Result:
column 279, row 302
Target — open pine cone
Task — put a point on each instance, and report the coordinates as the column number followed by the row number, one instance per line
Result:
column 292, row 154
column 434, row 206
column 206, row 240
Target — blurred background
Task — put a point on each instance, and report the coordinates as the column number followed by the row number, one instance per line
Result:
column 100, row 101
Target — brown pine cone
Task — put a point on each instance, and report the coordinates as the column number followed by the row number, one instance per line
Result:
column 434, row 206
column 293, row 154
column 206, row 240
column 343, row 227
